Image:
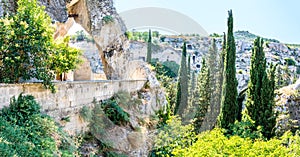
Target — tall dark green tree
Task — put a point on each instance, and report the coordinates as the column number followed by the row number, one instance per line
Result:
column 229, row 105
column 221, row 64
column 202, row 96
column 213, row 66
column 182, row 87
column 189, row 65
column 260, row 96
column 221, row 71
column 149, row 47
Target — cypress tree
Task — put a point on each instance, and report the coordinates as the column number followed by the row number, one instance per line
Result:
column 260, row 94
column 202, row 96
column 221, row 70
column 229, row 106
column 213, row 67
column 182, row 87
column 149, row 49
column 221, row 64
column 189, row 66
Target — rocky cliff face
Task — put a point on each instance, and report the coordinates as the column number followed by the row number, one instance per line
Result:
column 101, row 20
column 7, row 6
column 288, row 108
column 56, row 9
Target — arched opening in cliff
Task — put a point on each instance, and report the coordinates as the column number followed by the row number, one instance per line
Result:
column 92, row 67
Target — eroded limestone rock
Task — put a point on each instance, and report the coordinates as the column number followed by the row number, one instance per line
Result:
column 288, row 108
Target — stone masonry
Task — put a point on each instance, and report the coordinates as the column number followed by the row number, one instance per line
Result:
column 70, row 97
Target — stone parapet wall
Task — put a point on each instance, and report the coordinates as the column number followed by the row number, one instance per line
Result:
column 68, row 94
column 70, row 97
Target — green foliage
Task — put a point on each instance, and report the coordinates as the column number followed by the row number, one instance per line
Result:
column 114, row 112
column 202, row 96
column 127, row 101
column 108, row 19
column 167, row 68
column 149, row 47
column 290, row 62
column 189, row 66
column 229, row 106
column 25, row 45
column 129, row 35
column 164, row 114
column 86, row 113
column 81, row 36
column 214, row 143
column 114, row 154
column 166, row 73
column 20, row 109
column 25, row 132
column 215, row 65
column 182, row 87
column 260, row 97
column 142, row 36
column 215, row 35
column 64, row 58
column 171, row 136
column 245, row 128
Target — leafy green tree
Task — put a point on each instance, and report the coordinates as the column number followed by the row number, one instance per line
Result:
column 182, row 87
column 80, row 36
column 145, row 36
column 26, row 44
column 202, row 96
column 260, row 96
column 155, row 34
column 129, row 35
column 149, row 50
column 64, row 58
column 229, row 105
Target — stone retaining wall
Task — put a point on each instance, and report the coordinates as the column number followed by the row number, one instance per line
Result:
column 70, row 97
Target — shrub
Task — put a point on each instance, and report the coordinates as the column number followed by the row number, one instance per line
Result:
column 245, row 128
column 24, row 131
column 20, row 109
column 214, row 143
column 86, row 113
column 172, row 136
column 114, row 112
column 108, row 19
column 290, row 61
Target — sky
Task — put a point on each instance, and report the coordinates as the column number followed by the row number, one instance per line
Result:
column 277, row 19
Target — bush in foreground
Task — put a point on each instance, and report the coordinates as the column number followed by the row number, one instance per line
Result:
column 24, row 131
column 214, row 143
